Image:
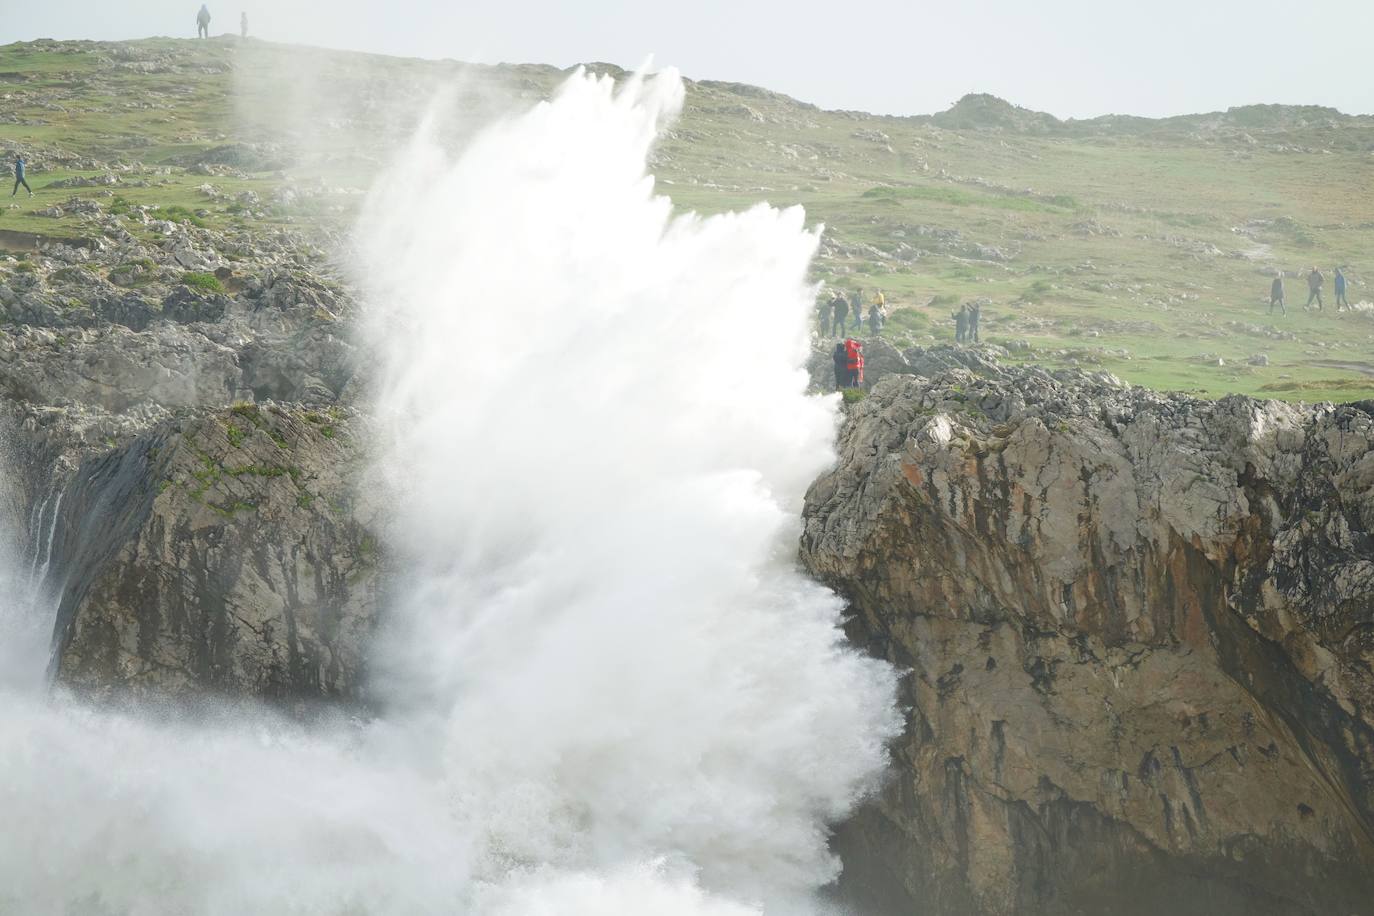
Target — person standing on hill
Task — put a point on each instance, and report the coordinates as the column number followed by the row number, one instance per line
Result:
column 1276, row 294
column 961, row 324
column 203, row 22
column 975, row 312
column 1341, row 303
column 1315, row 282
column 823, row 312
column 243, row 25
column 19, row 177
column 841, row 358
column 841, row 309
column 856, row 308
column 876, row 316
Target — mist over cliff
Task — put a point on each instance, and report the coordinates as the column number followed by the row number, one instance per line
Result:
column 424, row 489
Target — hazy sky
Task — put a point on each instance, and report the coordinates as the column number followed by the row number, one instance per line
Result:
column 1074, row 58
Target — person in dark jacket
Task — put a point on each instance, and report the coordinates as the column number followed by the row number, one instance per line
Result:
column 841, row 309
column 203, row 22
column 975, row 312
column 856, row 308
column 824, row 312
column 841, row 365
column 1276, row 296
column 1315, row 282
column 19, row 177
column 1341, row 303
column 961, row 324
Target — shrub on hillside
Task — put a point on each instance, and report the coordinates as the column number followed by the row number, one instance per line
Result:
column 203, row 283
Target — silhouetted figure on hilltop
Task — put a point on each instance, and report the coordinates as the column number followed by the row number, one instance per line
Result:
column 1341, row 303
column 203, row 22
column 1315, row 282
column 19, row 177
column 1276, row 296
column 975, row 313
column 960, row 324
column 243, row 25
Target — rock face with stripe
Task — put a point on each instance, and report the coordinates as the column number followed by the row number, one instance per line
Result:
column 1138, row 633
column 227, row 552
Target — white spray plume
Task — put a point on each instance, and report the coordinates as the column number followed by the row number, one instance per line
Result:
column 599, row 438
column 613, row 692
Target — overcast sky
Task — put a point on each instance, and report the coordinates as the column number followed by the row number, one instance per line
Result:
column 1073, row 58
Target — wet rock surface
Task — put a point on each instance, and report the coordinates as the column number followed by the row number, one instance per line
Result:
column 1137, row 628
column 224, row 552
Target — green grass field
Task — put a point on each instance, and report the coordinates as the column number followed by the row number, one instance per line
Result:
column 1144, row 248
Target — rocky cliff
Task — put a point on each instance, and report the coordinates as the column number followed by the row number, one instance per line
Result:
column 177, row 438
column 226, row 552
column 1138, row 632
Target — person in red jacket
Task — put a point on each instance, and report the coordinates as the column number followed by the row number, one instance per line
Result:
column 854, row 351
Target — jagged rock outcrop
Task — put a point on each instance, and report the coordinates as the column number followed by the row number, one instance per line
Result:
column 882, row 359
column 224, row 551
column 124, row 324
column 1139, row 631
column 189, row 546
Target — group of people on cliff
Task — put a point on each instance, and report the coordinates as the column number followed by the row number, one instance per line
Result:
column 1316, row 282
column 835, row 312
column 849, row 363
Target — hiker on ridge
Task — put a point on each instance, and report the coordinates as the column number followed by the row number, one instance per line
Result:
column 1276, row 294
column 840, row 306
column 823, row 312
column 19, row 177
column 856, row 308
column 203, row 22
column 975, row 312
column 1315, row 282
column 1341, row 303
column 960, row 324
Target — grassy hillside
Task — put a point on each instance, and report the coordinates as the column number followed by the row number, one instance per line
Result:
column 1141, row 247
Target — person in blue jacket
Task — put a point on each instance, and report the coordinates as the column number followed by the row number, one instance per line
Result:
column 1341, row 302
column 19, row 177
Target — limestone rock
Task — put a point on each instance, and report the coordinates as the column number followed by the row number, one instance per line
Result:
column 1138, row 631
column 224, row 552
